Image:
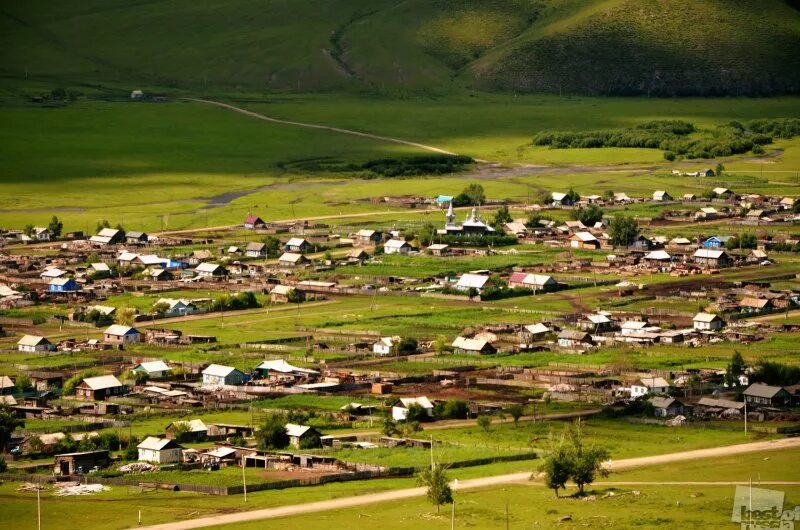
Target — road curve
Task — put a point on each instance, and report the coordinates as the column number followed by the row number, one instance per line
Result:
column 395, row 495
column 322, row 127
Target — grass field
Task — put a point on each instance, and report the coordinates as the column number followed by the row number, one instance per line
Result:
column 657, row 504
column 189, row 156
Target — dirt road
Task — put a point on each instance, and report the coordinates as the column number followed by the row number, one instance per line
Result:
column 322, row 127
column 348, row 502
column 776, row 316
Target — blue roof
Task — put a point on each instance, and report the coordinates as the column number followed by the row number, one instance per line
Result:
column 444, row 198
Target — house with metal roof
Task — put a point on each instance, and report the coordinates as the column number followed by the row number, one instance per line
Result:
column 707, row 322
column 761, row 395
column 160, row 450
column 100, row 388
column 467, row 346
column 219, row 375
column 119, row 334
column 34, row 343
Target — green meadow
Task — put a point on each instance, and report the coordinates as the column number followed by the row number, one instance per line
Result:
column 178, row 165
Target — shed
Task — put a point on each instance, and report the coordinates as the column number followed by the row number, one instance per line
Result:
column 160, row 450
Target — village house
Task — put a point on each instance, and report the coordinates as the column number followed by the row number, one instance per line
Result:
column 176, row 307
column 297, row 245
column 136, row 238
column 465, row 346
column 210, row 270
column 707, row 322
column 649, row 385
column 199, row 256
column 706, row 214
column 712, row 259
column 515, row 228
column 400, row 407
column 716, row 241
column 68, row 464
column 661, row 196
column 108, row 236
column 533, row 333
column 7, row 386
column 750, row 304
column 689, row 197
column 368, row 237
column 384, row 345
column 438, row 249
column 633, row 327
column 787, row 203
column 62, row 285
column 760, row 395
column 281, row 294
column 536, row 282
column 160, row 450
column 657, row 258
column 357, row 255
column 469, row 281
column 100, row 388
column 724, row 193
column 152, row 369
column 189, row 430
column 560, row 199
column 665, row 407
column 290, row 259
column 51, row 273
column 256, row 250
column 597, row 323
column 397, row 246
column 572, row 339
column 302, row 436
column 218, row 375
column 280, row 368
column 253, row 222
column 119, row 334
column 584, row 240
column 100, row 270
column 33, row 343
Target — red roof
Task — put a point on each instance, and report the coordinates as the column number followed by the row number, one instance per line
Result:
column 253, row 220
column 517, row 277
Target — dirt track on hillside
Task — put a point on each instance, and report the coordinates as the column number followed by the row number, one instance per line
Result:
column 395, row 495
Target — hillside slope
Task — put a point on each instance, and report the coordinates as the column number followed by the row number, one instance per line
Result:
column 619, row 47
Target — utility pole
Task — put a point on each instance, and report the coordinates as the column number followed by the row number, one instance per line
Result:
column 38, row 507
column 244, row 480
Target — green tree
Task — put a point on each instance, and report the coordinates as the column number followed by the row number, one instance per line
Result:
column 572, row 196
column 272, row 434
column 28, row 230
column 587, row 461
column 437, row 484
column 454, row 409
column 55, row 227
column 426, row 234
column 23, row 383
column 389, row 427
column 734, row 369
column 102, row 224
column 161, row 307
column 501, row 217
column 416, row 413
column 516, row 411
column 720, row 170
column 126, row 316
column 8, row 423
column 72, row 382
column 273, row 246
column 484, row 422
column 557, row 465
column 440, row 344
column 408, row 345
column 608, row 194
column 588, row 216
column 623, row 230
column 472, row 195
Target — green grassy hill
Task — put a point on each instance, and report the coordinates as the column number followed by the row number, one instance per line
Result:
column 662, row 47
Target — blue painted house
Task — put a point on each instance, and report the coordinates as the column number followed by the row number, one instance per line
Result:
column 716, row 241
column 62, row 285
